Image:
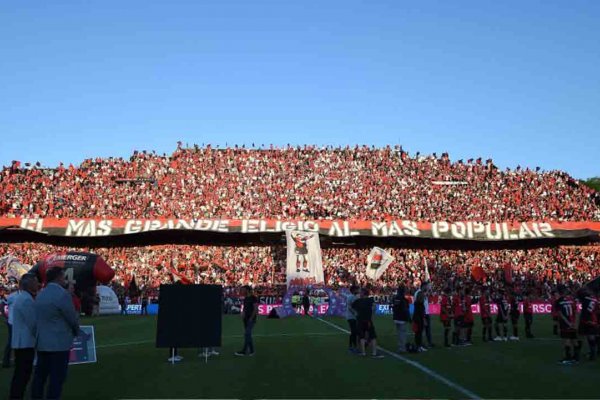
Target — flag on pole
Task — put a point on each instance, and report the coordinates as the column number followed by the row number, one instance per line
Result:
column 377, row 262
column 133, row 289
column 426, row 277
column 478, row 273
column 177, row 277
column 13, row 268
column 508, row 278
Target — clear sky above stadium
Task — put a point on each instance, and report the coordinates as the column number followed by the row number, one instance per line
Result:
column 517, row 81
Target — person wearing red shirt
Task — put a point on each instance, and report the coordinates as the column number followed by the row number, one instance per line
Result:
column 554, row 312
column 485, row 312
column 528, row 314
column 468, row 318
column 567, row 314
column 513, row 300
column 588, row 323
column 459, row 316
column 446, row 314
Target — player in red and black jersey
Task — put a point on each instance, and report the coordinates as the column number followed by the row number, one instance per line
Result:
column 554, row 312
column 513, row 301
column 468, row 318
column 485, row 311
column 502, row 316
column 588, row 323
column 459, row 316
column 446, row 314
column 528, row 314
column 566, row 322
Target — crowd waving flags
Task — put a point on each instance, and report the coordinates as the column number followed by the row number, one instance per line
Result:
column 378, row 262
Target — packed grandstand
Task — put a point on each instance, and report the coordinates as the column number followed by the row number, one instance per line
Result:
column 307, row 183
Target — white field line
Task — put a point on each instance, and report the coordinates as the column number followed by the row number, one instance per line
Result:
column 418, row 366
column 228, row 336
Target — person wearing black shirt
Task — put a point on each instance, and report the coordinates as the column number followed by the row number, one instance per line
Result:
column 249, row 317
column 502, row 316
column 306, row 303
column 364, row 307
column 144, row 305
column 401, row 317
column 419, row 321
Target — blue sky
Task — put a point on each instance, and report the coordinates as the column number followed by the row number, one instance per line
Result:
column 518, row 81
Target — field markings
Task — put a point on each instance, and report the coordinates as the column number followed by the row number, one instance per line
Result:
column 417, row 365
column 229, row 336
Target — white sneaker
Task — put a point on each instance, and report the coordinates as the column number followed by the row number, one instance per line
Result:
column 421, row 349
column 497, row 339
column 505, row 339
column 174, row 359
column 214, row 353
column 513, row 338
column 178, row 358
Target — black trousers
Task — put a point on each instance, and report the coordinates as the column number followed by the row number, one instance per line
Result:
column 53, row 365
column 428, row 329
column 22, row 372
column 353, row 343
column 7, row 348
column 419, row 335
column 528, row 323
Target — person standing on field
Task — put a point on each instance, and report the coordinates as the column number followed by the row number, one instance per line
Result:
column 401, row 317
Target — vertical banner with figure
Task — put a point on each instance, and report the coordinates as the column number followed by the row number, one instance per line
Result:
column 304, row 262
column 377, row 262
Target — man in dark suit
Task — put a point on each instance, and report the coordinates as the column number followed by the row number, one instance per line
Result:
column 23, row 334
column 57, row 325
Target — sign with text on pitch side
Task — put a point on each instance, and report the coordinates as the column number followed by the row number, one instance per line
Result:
column 84, row 346
column 434, row 309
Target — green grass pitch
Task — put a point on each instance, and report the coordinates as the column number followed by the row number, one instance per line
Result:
column 306, row 358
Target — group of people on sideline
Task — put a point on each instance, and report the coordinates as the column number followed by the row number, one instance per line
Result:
column 42, row 325
column 457, row 318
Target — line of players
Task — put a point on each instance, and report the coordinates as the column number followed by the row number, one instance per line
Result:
column 457, row 318
column 565, row 322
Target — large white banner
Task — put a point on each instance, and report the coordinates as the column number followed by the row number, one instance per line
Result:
column 304, row 261
column 377, row 262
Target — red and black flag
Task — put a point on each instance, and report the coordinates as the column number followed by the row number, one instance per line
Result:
column 478, row 273
column 508, row 275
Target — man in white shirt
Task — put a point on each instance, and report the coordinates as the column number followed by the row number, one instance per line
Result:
column 23, row 334
column 425, row 289
column 8, row 350
column 351, row 318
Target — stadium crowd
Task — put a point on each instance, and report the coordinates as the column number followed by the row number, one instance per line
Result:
column 537, row 270
column 294, row 182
